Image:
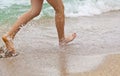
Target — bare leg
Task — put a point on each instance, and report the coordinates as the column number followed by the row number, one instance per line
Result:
column 60, row 21
column 33, row 12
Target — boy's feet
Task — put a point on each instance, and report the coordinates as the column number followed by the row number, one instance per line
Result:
column 4, row 53
column 68, row 39
column 10, row 54
column 9, row 44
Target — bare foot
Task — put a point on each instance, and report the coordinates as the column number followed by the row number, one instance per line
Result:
column 9, row 44
column 68, row 39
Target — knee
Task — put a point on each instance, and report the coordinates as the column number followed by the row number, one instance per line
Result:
column 34, row 12
column 60, row 11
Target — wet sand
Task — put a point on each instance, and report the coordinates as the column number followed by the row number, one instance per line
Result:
column 95, row 51
column 109, row 67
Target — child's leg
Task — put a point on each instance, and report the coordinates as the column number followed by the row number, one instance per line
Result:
column 33, row 12
column 60, row 21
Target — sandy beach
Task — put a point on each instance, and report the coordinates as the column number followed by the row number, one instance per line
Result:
column 95, row 51
column 109, row 67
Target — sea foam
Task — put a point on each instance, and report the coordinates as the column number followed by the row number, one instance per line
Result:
column 73, row 8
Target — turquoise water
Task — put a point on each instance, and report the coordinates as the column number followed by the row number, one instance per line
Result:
column 10, row 14
column 10, row 10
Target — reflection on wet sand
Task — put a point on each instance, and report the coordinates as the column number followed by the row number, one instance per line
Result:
column 88, row 55
column 110, row 67
column 76, row 63
column 63, row 63
column 47, row 64
column 59, row 64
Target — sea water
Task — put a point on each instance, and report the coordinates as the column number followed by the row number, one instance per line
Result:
column 10, row 10
column 37, row 43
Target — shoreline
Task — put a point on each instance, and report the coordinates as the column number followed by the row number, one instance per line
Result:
column 95, row 51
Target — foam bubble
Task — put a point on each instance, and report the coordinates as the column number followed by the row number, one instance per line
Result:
column 73, row 8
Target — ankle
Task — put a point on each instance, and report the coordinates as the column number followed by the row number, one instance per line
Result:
column 6, row 37
column 13, row 52
column 62, row 42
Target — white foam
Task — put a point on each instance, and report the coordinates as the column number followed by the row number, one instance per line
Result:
column 8, row 3
column 90, row 7
column 74, row 8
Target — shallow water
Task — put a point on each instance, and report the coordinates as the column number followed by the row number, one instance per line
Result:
column 95, row 35
column 40, row 54
column 12, row 9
